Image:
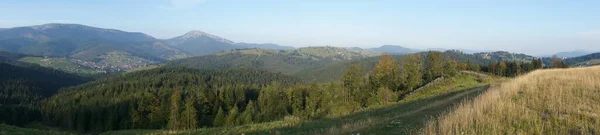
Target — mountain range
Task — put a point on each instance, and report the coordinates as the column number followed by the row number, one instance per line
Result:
column 111, row 49
column 90, row 49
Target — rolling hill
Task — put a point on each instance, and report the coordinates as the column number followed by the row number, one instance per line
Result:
column 586, row 60
column 393, row 49
column 504, row 56
column 278, row 61
column 333, row 71
column 198, row 43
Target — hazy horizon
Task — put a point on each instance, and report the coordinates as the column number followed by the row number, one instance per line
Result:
column 532, row 27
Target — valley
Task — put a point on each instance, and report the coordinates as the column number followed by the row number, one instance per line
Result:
column 77, row 79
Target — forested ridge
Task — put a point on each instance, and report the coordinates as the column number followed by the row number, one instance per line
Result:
column 22, row 86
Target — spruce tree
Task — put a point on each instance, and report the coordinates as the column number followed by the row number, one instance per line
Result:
column 450, row 66
column 190, row 117
column 174, row 116
column 231, row 119
column 219, row 118
column 412, row 66
column 352, row 81
column 433, row 66
column 247, row 117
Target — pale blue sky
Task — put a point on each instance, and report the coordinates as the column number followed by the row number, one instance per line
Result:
column 528, row 26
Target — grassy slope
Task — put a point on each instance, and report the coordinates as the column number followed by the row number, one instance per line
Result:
column 556, row 101
column 58, row 63
column 415, row 109
column 12, row 130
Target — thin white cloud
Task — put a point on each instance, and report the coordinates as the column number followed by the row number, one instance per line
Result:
column 182, row 4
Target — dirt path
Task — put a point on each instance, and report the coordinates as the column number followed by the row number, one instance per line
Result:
column 408, row 122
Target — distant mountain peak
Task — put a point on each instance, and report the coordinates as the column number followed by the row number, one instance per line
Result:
column 196, row 34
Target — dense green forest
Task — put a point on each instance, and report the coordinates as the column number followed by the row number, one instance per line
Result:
column 23, row 85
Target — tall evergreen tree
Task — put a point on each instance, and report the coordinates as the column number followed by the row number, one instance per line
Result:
column 352, row 81
column 231, row 119
column 433, row 66
column 247, row 117
column 219, row 118
column 412, row 66
column 189, row 116
column 174, row 116
column 450, row 66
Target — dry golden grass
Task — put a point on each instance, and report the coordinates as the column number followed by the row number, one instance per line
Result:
column 556, row 101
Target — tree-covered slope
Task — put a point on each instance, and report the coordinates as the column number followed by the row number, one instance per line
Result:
column 334, row 71
column 22, row 85
column 277, row 61
column 145, row 99
column 586, row 60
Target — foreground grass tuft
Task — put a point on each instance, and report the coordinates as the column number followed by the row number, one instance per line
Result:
column 557, row 101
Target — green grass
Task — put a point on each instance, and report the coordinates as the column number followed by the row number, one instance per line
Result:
column 404, row 117
column 59, row 63
column 13, row 130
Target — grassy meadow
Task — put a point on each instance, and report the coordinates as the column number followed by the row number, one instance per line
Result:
column 545, row 102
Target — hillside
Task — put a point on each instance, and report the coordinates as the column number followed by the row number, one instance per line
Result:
column 556, row 101
column 96, row 46
column 504, row 56
column 198, row 43
column 82, row 42
column 63, row 64
column 110, row 103
column 398, row 118
column 586, row 60
column 23, row 85
column 278, row 61
column 393, row 49
column 334, row 71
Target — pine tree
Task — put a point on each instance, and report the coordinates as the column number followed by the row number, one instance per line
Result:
column 433, row 66
column 450, row 66
column 174, row 118
column 352, row 80
column 247, row 117
column 412, row 66
column 189, row 114
column 219, row 118
column 231, row 119
column 135, row 116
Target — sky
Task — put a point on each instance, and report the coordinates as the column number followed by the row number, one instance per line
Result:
column 535, row 27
